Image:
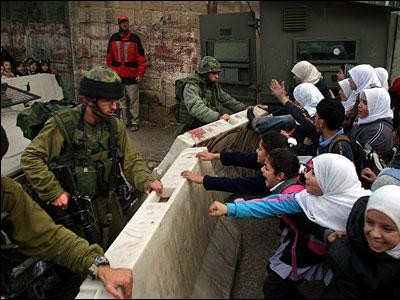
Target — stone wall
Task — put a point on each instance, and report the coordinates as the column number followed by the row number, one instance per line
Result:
column 170, row 35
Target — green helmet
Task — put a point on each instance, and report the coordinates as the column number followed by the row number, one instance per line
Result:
column 208, row 64
column 101, row 81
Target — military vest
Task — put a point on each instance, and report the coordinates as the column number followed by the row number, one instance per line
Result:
column 210, row 94
column 88, row 151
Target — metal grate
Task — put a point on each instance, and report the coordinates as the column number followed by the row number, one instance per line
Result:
column 295, row 19
column 11, row 95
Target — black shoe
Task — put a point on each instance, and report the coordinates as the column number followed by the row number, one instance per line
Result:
column 250, row 116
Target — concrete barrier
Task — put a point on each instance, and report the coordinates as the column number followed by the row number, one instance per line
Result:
column 173, row 247
column 216, row 136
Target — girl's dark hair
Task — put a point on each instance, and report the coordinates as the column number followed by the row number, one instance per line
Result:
column 285, row 161
column 273, row 139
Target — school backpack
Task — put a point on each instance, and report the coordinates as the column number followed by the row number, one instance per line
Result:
column 359, row 154
column 32, row 119
column 179, row 87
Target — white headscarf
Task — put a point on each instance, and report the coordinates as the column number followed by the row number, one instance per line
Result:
column 308, row 95
column 337, row 178
column 365, row 77
column 345, row 86
column 378, row 100
column 306, row 72
column 386, row 199
column 383, row 76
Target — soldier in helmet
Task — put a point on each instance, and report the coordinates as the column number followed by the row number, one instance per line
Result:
column 35, row 234
column 203, row 98
column 90, row 140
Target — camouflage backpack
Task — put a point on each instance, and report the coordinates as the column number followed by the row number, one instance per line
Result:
column 179, row 87
column 32, row 119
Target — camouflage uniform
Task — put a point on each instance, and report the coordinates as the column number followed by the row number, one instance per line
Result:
column 37, row 235
column 49, row 148
column 203, row 101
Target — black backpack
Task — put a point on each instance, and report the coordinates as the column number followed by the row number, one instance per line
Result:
column 359, row 154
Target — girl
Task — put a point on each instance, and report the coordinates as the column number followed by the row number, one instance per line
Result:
column 332, row 187
column 366, row 263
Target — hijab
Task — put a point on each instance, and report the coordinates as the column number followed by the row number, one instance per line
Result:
column 383, row 76
column 308, row 95
column 378, row 100
column 364, row 76
column 386, row 199
column 306, row 72
column 338, row 180
column 345, row 86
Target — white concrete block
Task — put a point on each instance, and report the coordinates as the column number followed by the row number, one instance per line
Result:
column 200, row 135
column 174, row 248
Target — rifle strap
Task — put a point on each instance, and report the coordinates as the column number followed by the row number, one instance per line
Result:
column 111, row 182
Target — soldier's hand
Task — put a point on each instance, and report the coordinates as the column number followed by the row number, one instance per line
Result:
column 225, row 117
column 155, row 186
column 115, row 278
column 192, row 177
column 138, row 79
column 217, row 209
column 62, row 201
column 204, row 155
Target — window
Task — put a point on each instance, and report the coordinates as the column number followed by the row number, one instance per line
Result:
column 341, row 51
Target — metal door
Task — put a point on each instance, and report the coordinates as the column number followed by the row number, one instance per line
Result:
column 231, row 39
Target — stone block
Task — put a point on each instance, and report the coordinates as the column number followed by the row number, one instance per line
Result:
column 149, row 83
column 135, row 5
column 84, row 16
column 98, row 48
column 83, row 47
column 152, row 5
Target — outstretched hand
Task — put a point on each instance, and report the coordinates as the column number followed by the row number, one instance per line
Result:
column 217, row 209
column 204, row 155
column 192, row 177
column 116, row 278
column 278, row 90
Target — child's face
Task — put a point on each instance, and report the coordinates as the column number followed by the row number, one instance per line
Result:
column 33, row 67
column 20, row 68
column 363, row 107
column 261, row 154
column 7, row 66
column 312, row 186
column 342, row 95
column 45, row 67
column 352, row 84
column 269, row 173
column 380, row 231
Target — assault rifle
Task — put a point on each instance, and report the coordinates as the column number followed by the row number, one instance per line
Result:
column 75, row 208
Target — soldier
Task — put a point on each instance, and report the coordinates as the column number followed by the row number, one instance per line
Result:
column 36, row 234
column 95, row 145
column 203, row 98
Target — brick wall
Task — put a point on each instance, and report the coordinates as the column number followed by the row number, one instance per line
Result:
column 170, row 35
column 74, row 35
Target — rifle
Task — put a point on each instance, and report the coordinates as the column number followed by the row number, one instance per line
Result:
column 79, row 213
column 23, row 277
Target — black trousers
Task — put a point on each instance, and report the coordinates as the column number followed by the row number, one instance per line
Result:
column 275, row 287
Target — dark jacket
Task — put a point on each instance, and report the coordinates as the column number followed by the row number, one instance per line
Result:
column 377, row 134
column 308, row 129
column 358, row 272
column 251, row 185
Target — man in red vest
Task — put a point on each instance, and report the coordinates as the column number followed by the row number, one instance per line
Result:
column 125, row 55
